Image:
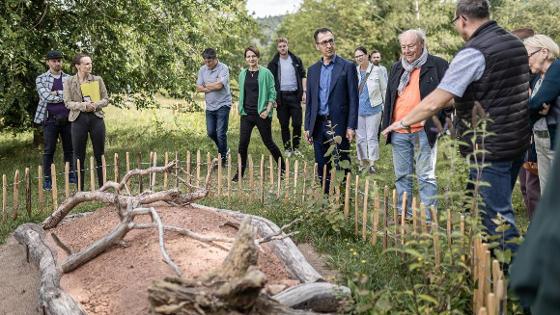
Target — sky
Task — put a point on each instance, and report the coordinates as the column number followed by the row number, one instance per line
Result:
column 263, row 8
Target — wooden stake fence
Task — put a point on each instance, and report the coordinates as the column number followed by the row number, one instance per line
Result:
column 371, row 219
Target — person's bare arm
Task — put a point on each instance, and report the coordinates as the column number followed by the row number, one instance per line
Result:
column 428, row 107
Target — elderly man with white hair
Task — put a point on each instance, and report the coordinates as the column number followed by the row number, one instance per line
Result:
column 412, row 78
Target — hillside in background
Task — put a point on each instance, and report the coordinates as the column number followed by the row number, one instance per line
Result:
column 268, row 26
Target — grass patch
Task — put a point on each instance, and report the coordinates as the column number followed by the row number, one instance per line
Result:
column 367, row 269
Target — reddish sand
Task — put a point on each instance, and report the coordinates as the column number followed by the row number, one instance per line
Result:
column 116, row 282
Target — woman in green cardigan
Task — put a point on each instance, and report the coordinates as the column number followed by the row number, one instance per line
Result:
column 257, row 97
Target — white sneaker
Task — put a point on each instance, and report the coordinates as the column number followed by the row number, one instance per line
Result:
column 287, row 153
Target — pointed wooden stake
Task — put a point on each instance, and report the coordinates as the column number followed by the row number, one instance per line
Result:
column 40, row 194
column 104, row 168
column 356, row 204
column 364, row 211
column 66, row 180
column 79, row 173
column 28, row 192
column 54, row 189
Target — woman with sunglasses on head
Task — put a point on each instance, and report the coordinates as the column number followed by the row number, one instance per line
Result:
column 544, row 101
column 257, row 96
column 85, row 96
column 372, row 86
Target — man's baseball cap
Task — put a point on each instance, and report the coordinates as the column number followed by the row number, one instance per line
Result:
column 54, row 54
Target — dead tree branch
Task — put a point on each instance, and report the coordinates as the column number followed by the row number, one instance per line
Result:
column 235, row 288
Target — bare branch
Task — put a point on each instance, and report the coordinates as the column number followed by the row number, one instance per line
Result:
column 187, row 232
column 58, row 242
column 164, row 253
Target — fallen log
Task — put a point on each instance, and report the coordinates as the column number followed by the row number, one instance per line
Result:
column 318, row 296
column 235, row 288
column 285, row 249
column 52, row 299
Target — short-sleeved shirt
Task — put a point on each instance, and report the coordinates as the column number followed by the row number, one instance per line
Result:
column 222, row 97
column 467, row 66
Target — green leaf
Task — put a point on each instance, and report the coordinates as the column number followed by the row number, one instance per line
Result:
column 428, row 298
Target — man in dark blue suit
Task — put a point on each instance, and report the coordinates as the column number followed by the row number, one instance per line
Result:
column 331, row 102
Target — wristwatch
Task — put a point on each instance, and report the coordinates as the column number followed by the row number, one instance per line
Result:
column 404, row 126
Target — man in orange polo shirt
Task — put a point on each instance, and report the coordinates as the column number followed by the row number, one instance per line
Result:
column 412, row 78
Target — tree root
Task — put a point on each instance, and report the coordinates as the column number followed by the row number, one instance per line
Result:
column 234, row 288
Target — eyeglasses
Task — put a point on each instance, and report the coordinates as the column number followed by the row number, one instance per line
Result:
column 455, row 19
column 359, row 56
column 326, row 42
column 534, row 52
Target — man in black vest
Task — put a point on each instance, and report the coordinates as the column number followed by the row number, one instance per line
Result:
column 289, row 77
column 490, row 78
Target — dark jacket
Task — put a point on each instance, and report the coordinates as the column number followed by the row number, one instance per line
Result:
column 548, row 93
column 274, row 67
column 502, row 92
column 343, row 96
column 431, row 74
column 534, row 273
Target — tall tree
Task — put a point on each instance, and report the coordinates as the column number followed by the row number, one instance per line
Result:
column 375, row 24
column 138, row 46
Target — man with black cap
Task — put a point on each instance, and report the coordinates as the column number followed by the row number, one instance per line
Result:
column 213, row 81
column 53, row 115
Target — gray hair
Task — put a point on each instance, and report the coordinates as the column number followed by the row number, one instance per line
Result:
column 542, row 41
column 420, row 35
column 474, row 9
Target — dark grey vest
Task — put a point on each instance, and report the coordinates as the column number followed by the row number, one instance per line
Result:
column 503, row 94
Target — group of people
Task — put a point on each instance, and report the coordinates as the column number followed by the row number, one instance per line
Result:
column 284, row 86
column 488, row 83
column 71, row 108
column 507, row 83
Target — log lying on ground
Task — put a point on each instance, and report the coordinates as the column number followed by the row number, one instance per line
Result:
column 285, row 249
column 235, row 288
column 53, row 300
column 318, row 296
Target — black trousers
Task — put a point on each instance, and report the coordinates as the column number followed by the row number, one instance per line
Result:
column 88, row 123
column 248, row 122
column 290, row 107
column 52, row 131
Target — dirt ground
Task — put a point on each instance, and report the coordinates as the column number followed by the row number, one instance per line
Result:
column 116, row 282
column 18, row 281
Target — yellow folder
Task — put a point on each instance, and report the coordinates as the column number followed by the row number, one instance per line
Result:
column 91, row 90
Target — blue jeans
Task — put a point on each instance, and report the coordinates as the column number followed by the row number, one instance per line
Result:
column 217, row 126
column 410, row 149
column 497, row 199
column 52, row 131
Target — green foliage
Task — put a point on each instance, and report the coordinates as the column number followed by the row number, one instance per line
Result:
column 140, row 47
column 375, row 24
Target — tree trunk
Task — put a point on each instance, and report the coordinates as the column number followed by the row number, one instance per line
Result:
column 52, row 298
column 234, row 288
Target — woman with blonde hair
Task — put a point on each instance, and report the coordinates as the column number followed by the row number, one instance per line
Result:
column 85, row 96
column 544, row 102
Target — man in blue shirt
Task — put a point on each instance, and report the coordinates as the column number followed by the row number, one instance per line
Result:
column 331, row 104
